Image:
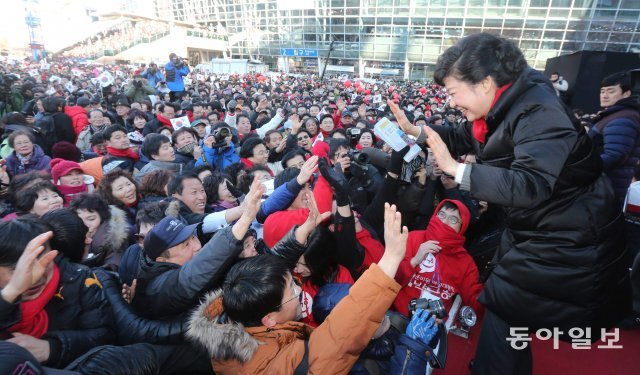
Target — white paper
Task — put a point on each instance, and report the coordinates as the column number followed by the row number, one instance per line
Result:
column 391, row 134
column 179, row 122
column 377, row 98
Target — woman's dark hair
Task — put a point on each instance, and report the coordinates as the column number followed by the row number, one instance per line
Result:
column 303, row 131
column 246, row 151
column 235, row 170
column 477, row 56
column 152, row 143
column 155, row 182
column 338, row 131
column 253, row 288
column 321, row 258
column 211, row 184
column 310, row 119
column 27, row 198
column 13, row 135
column 245, row 180
column 136, row 113
column 15, row 235
column 22, row 181
column 14, row 118
column 69, row 232
column 202, row 168
column 366, row 123
column 373, row 137
column 91, row 202
column 160, row 129
column 105, row 188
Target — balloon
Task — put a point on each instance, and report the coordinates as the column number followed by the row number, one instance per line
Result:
column 423, row 90
column 391, row 88
column 358, row 84
column 359, row 89
column 347, row 83
column 367, row 91
column 396, row 95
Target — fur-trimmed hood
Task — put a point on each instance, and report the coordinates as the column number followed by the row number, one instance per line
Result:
column 223, row 339
column 112, row 236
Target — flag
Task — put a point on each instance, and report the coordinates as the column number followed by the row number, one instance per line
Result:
column 179, row 122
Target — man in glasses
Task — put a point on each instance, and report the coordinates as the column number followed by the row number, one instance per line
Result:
column 436, row 264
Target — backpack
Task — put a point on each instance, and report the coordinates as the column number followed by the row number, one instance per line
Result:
column 46, row 127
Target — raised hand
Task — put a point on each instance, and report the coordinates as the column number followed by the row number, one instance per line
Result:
column 307, row 169
column 402, row 119
column 441, row 153
column 313, row 220
column 395, row 235
column 29, row 268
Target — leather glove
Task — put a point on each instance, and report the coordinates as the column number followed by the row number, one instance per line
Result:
column 395, row 163
column 234, row 190
column 422, row 326
column 337, row 180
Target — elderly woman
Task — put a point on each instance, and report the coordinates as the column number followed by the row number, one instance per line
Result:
column 560, row 262
column 26, row 156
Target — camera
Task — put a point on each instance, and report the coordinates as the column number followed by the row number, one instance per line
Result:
column 435, row 307
column 137, row 83
column 220, row 135
column 353, row 134
column 358, row 157
column 178, row 62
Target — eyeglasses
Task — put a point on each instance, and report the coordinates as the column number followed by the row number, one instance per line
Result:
column 26, row 143
column 302, row 138
column 450, row 218
column 297, row 291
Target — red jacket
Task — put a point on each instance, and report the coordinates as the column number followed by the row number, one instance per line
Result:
column 79, row 118
column 452, row 271
column 281, row 222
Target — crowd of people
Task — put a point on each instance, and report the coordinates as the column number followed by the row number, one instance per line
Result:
column 116, row 37
column 276, row 232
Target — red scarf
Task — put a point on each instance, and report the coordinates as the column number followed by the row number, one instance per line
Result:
column 68, row 192
column 249, row 164
column 35, row 321
column 164, row 121
column 123, row 153
column 480, row 127
column 448, row 238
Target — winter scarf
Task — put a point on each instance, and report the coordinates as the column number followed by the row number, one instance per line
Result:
column 480, row 127
column 35, row 321
column 128, row 153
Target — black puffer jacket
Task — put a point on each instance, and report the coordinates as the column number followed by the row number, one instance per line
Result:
column 79, row 315
column 561, row 261
column 131, row 328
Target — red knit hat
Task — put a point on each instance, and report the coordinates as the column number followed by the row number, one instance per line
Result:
column 61, row 167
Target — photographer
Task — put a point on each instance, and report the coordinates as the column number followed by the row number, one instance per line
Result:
column 139, row 90
column 218, row 150
column 174, row 70
column 153, row 75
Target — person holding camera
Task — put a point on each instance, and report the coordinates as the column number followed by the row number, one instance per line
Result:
column 153, row 75
column 218, row 150
column 174, row 70
column 139, row 90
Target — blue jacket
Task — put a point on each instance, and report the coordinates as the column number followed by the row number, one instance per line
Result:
column 410, row 357
column 38, row 162
column 213, row 156
column 177, row 84
column 153, row 78
column 616, row 136
column 281, row 198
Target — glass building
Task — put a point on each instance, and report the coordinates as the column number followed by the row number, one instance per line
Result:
column 403, row 38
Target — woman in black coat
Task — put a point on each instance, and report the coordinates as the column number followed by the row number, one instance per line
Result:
column 560, row 262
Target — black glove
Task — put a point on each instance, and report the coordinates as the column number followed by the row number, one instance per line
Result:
column 395, row 163
column 234, row 190
column 337, row 180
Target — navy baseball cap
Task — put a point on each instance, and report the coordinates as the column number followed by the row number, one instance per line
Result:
column 169, row 232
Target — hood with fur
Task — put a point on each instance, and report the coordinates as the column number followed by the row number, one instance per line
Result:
column 114, row 236
column 223, row 339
